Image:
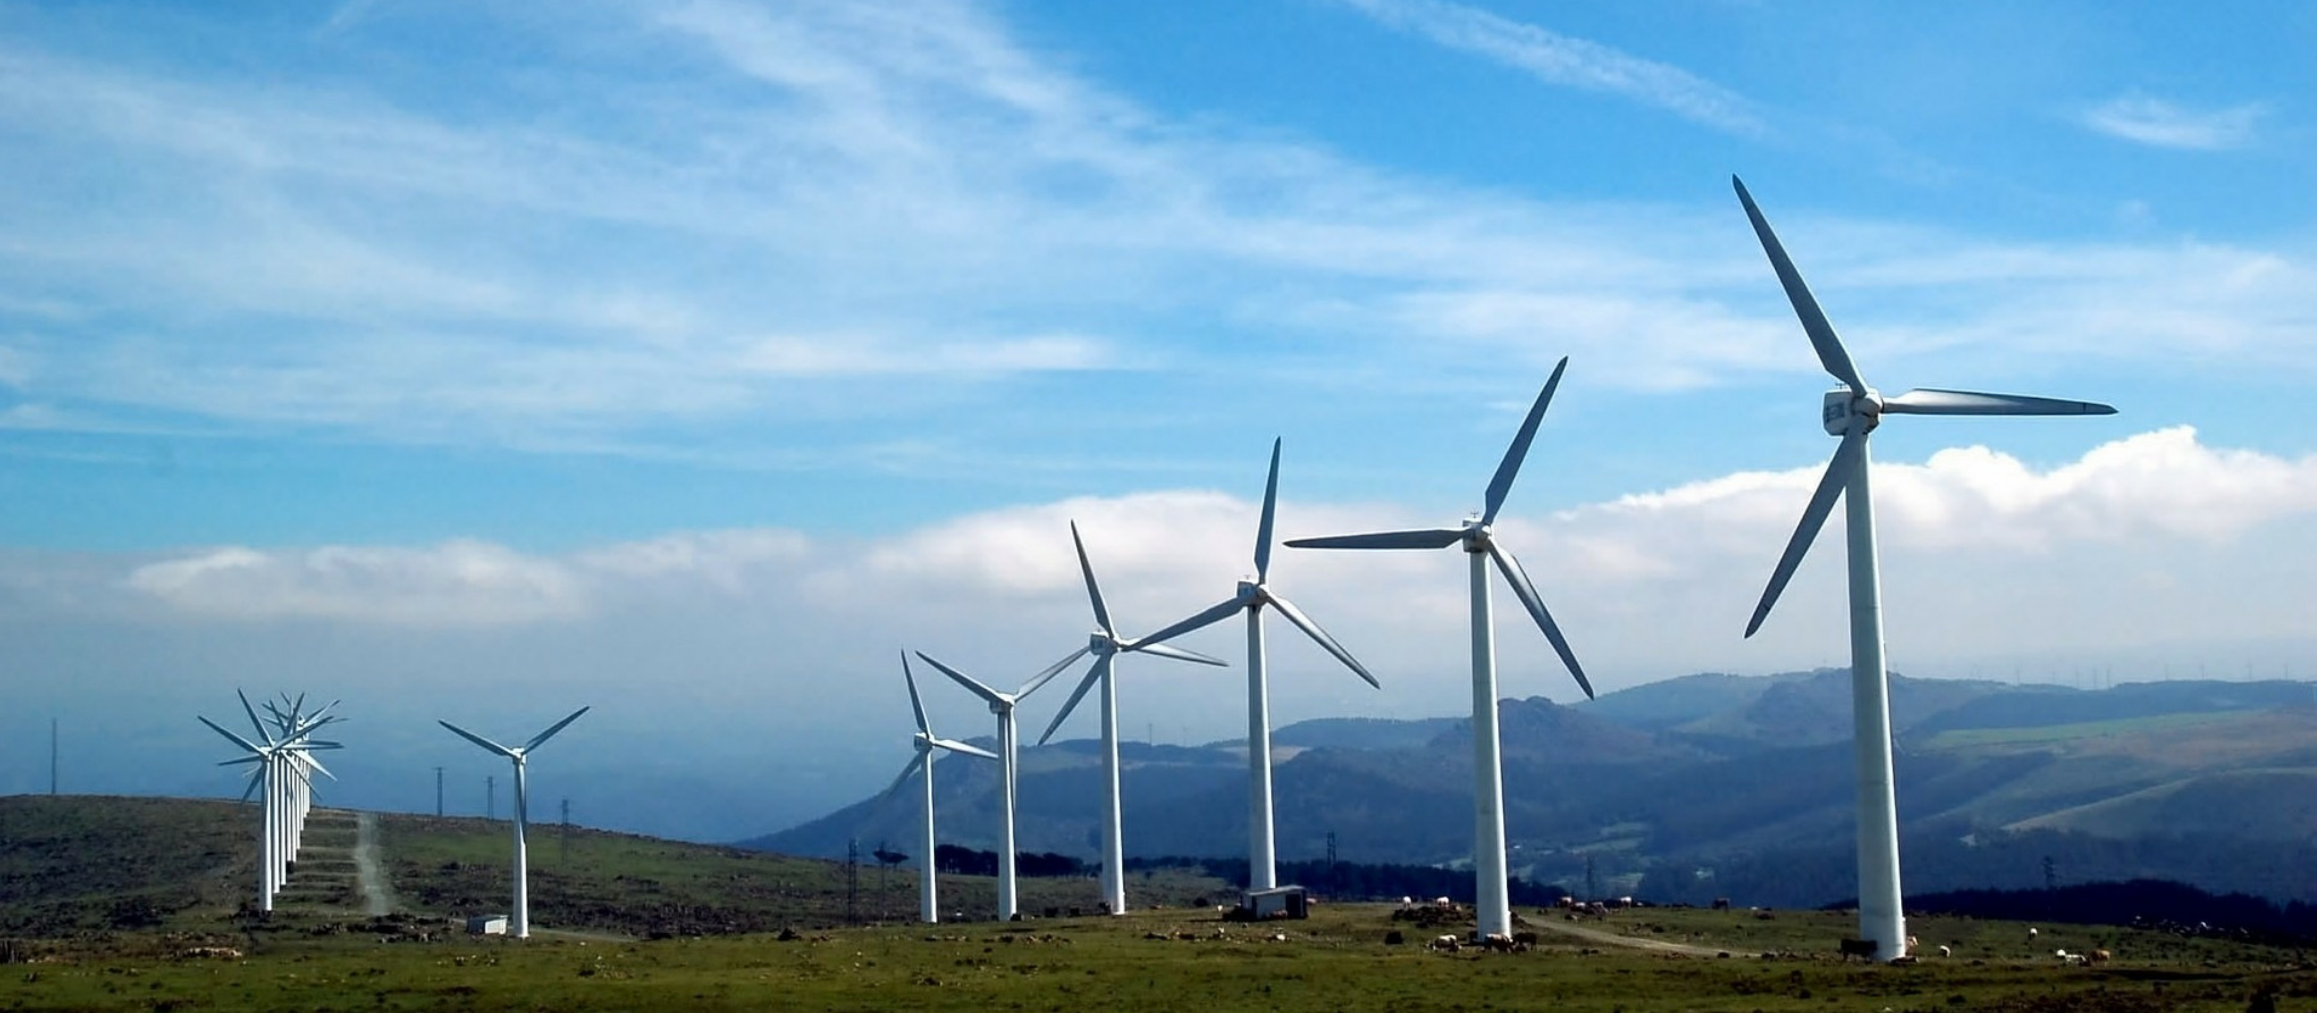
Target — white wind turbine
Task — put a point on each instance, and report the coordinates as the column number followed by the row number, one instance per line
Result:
column 1262, row 857
column 1002, row 705
column 1493, row 905
column 277, row 764
column 1105, row 645
column 519, row 919
column 1851, row 413
column 929, row 906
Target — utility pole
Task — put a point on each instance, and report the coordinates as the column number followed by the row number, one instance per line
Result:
column 490, row 797
column 1331, row 860
column 566, row 830
column 1592, row 883
column 852, row 880
column 438, row 791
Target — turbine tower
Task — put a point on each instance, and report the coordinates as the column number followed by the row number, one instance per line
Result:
column 1002, row 705
column 929, row 907
column 519, row 919
column 1105, row 645
column 1262, row 854
column 1493, row 903
column 1852, row 412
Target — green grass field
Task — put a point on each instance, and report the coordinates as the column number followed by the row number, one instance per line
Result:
column 630, row 923
column 1165, row 960
column 1972, row 738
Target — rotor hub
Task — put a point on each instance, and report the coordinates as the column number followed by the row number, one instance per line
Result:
column 1843, row 409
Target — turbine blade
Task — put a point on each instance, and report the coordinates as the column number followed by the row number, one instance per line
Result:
column 1526, row 591
column 1093, row 590
column 255, row 778
column 1506, row 469
column 1207, row 617
column 252, row 712
column 1311, row 629
column 253, row 747
column 967, row 748
column 986, row 693
column 915, row 703
column 552, row 729
column 1051, row 670
column 1094, row 673
column 1933, row 401
column 915, row 763
column 238, row 761
column 1179, row 654
column 478, row 740
column 1830, row 351
column 1270, row 510
column 1814, row 516
column 1427, row 538
column 317, row 765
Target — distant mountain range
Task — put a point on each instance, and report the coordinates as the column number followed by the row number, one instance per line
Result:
column 1720, row 785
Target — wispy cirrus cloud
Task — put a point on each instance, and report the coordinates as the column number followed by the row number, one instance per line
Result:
column 2165, row 124
column 1565, row 60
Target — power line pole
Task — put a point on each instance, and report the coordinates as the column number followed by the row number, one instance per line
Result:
column 1331, row 860
column 566, row 830
column 852, row 880
column 490, row 797
column 438, row 791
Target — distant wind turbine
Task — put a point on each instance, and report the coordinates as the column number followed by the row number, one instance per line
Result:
column 1262, row 857
column 1002, row 705
column 929, row 907
column 1104, row 644
column 278, row 763
column 519, row 919
column 1478, row 538
column 1852, row 412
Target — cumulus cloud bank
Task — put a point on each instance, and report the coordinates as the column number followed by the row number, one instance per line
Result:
column 1649, row 583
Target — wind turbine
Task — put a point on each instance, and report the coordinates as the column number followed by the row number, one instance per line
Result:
column 1493, row 908
column 928, row 904
column 1852, row 412
column 1002, row 705
column 519, row 919
column 270, row 778
column 1262, row 856
column 1105, row 645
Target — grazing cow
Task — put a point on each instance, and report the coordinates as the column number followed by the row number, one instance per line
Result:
column 2101, row 956
column 2031, row 932
column 1445, row 944
column 1864, row 949
column 1945, row 952
column 1721, row 903
column 1497, row 941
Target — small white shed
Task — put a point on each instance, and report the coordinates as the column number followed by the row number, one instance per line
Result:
column 487, row 925
column 1279, row 902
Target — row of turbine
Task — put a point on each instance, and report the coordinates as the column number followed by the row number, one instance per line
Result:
column 1850, row 413
column 284, row 773
column 283, row 776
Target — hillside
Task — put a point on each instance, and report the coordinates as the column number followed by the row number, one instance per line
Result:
column 1692, row 775
column 75, row 864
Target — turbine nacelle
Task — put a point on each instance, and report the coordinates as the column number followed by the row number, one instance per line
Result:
column 1845, row 409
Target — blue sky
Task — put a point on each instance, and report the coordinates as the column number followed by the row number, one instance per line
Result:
column 772, row 336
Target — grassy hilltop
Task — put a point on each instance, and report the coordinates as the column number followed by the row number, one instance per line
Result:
column 137, row 905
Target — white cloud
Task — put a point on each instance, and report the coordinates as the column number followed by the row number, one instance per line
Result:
column 2163, row 124
column 460, row 583
column 1560, row 59
column 811, row 201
